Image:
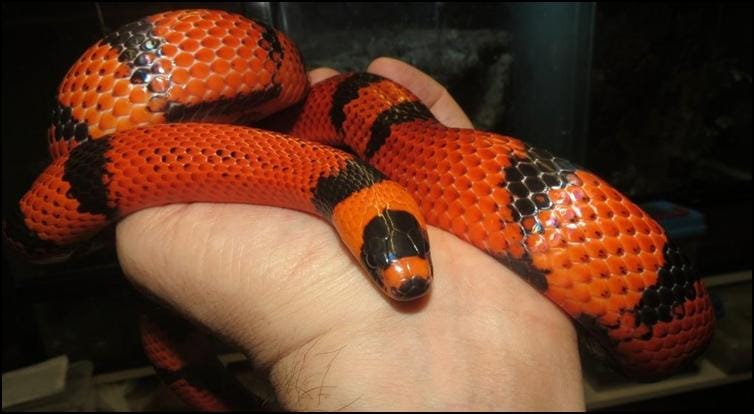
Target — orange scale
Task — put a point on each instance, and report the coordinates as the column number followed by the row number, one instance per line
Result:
column 595, row 308
column 91, row 81
column 241, row 65
column 140, row 115
column 561, row 261
column 473, row 214
column 574, row 234
column 477, row 233
column 106, row 83
column 487, row 205
column 589, row 178
column 535, row 243
column 478, row 174
column 174, row 37
column 578, row 195
column 98, row 53
column 571, row 307
column 595, row 249
column 587, row 213
column 640, row 225
column 217, row 31
column 630, row 245
column 581, row 274
column 159, row 31
column 613, row 246
column 225, row 22
column 491, row 166
column 107, row 122
column 625, row 225
column 556, row 293
column 244, row 52
column 184, row 25
column 467, row 198
column 231, row 41
column 180, row 76
column 616, row 304
column 497, row 242
column 206, row 23
column 138, row 95
column 196, row 33
column 632, row 298
column 578, row 254
column 621, row 214
column 121, row 108
column 270, row 66
column 76, row 99
column 600, row 288
column 92, row 116
column 633, row 264
column 123, row 123
column 189, row 45
column 647, row 247
column 238, row 33
column 545, row 216
column 655, row 228
column 559, row 279
column 624, row 331
column 444, row 220
column 516, row 249
column 609, row 228
column 90, row 99
column 260, row 54
column 454, row 209
column 121, row 88
column 178, row 94
column 78, row 113
column 169, row 50
column 199, row 70
column 216, row 83
column 616, row 265
column 204, row 55
column 602, row 209
column 555, row 238
column 184, row 59
column 250, row 78
column 660, row 330
column 611, row 316
column 614, row 196
column 541, row 262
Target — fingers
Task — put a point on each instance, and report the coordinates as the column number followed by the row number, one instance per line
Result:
column 431, row 92
column 320, row 74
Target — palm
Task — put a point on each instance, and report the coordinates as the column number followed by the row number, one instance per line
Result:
column 281, row 285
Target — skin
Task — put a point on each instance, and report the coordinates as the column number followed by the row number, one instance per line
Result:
column 281, row 286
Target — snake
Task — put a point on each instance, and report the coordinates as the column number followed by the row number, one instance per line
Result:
column 163, row 110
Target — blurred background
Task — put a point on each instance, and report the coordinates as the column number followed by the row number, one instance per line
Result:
column 655, row 98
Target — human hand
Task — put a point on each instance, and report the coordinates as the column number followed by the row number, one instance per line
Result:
column 280, row 284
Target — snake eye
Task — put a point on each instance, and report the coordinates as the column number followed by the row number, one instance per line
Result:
column 375, row 254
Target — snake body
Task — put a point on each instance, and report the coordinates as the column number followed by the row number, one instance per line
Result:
column 144, row 118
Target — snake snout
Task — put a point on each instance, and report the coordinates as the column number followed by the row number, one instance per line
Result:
column 407, row 278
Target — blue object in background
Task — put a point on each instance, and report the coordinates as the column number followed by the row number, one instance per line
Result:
column 679, row 222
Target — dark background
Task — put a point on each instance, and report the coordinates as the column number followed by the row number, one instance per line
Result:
column 659, row 104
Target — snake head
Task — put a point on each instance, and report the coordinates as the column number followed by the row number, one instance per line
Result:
column 396, row 255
